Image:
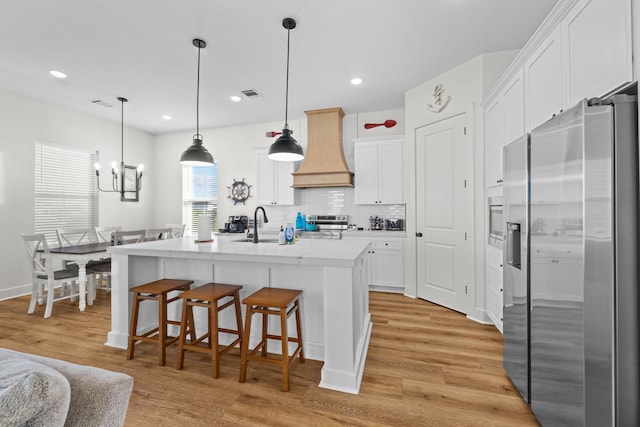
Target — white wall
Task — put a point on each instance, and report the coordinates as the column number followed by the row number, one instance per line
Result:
column 234, row 150
column 466, row 85
column 24, row 120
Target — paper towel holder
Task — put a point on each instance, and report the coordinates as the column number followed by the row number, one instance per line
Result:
column 204, row 229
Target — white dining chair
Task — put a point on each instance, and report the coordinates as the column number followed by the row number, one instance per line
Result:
column 83, row 236
column 37, row 249
column 76, row 236
column 105, row 234
column 121, row 237
column 177, row 230
column 159, row 233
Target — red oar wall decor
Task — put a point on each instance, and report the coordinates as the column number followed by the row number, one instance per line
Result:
column 387, row 124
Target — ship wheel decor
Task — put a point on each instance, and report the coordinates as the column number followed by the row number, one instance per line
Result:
column 239, row 191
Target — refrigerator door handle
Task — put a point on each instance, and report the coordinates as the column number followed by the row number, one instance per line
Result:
column 513, row 244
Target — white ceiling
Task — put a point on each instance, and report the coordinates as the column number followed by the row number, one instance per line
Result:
column 142, row 50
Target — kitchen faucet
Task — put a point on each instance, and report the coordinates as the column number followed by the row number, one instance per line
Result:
column 255, row 222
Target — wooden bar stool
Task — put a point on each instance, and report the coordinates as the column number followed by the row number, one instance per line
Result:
column 155, row 291
column 208, row 296
column 274, row 301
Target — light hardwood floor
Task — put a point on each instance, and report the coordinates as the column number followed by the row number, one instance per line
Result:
column 426, row 366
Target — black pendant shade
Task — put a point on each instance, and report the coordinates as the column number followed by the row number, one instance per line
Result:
column 197, row 154
column 286, row 148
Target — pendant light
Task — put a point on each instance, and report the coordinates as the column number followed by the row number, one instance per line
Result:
column 286, row 148
column 197, row 154
column 129, row 177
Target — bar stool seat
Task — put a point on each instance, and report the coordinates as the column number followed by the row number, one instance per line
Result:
column 279, row 302
column 208, row 296
column 158, row 291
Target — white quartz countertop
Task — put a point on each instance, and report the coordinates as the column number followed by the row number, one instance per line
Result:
column 338, row 253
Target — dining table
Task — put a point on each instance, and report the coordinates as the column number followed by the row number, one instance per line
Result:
column 81, row 255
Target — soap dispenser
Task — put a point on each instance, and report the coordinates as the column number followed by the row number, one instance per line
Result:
column 301, row 223
column 281, row 238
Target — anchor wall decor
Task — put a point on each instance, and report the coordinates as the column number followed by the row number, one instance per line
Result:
column 438, row 105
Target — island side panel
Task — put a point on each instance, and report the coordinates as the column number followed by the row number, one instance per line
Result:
column 128, row 271
column 347, row 326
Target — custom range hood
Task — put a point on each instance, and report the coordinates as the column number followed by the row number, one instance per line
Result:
column 324, row 164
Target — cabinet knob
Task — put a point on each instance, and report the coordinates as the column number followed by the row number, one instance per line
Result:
column 418, row 234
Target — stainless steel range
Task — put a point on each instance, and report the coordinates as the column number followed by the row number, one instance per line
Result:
column 326, row 226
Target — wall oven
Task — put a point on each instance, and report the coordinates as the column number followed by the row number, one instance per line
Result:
column 496, row 222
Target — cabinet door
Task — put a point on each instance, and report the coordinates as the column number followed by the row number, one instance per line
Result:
column 513, row 100
column 366, row 173
column 283, row 182
column 494, row 141
column 266, row 174
column 598, row 48
column 274, row 181
column 543, row 82
column 386, row 268
column 390, row 176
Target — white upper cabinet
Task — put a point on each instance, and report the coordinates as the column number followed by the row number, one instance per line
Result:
column 598, row 49
column 494, row 137
column 513, row 100
column 378, row 172
column 543, row 81
column 274, row 181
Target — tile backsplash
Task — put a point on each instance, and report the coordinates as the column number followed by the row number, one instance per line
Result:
column 331, row 201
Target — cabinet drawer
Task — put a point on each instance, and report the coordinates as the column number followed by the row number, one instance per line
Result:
column 390, row 244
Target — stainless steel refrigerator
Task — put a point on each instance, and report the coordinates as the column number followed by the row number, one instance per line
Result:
column 573, row 250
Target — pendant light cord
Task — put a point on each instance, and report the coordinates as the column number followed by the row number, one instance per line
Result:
column 198, row 96
column 122, row 131
column 286, row 101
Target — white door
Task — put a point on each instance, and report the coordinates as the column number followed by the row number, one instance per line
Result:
column 444, row 202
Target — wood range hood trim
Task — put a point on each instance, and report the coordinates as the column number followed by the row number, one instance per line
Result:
column 324, row 164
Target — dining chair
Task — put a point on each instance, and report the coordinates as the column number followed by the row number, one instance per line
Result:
column 177, row 230
column 100, row 270
column 76, row 236
column 121, row 237
column 105, row 234
column 159, row 233
column 36, row 246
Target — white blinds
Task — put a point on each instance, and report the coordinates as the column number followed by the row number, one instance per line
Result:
column 199, row 195
column 65, row 194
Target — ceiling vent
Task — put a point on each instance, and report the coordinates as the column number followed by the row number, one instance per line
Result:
column 101, row 103
column 251, row 93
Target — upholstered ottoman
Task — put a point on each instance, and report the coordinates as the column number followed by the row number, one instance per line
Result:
column 40, row 391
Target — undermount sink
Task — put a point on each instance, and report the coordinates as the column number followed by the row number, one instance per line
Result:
column 248, row 240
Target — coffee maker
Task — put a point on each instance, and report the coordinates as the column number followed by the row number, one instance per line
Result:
column 236, row 224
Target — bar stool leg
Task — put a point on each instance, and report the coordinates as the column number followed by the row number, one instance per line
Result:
column 162, row 327
column 299, row 331
column 133, row 326
column 265, row 326
column 186, row 325
column 284, row 340
column 213, row 337
column 245, row 345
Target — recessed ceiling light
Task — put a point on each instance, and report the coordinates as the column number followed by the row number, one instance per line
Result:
column 58, row 74
column 357, row 81
column 166, row 117
column 235, row 98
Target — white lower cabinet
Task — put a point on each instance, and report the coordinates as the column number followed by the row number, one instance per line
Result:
column 386, row 264
column 494, row 286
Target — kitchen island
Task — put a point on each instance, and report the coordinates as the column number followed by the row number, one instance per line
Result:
column 332, row 274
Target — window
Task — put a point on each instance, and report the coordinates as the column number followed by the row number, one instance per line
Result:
column 199, row 195
column 65, row 194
